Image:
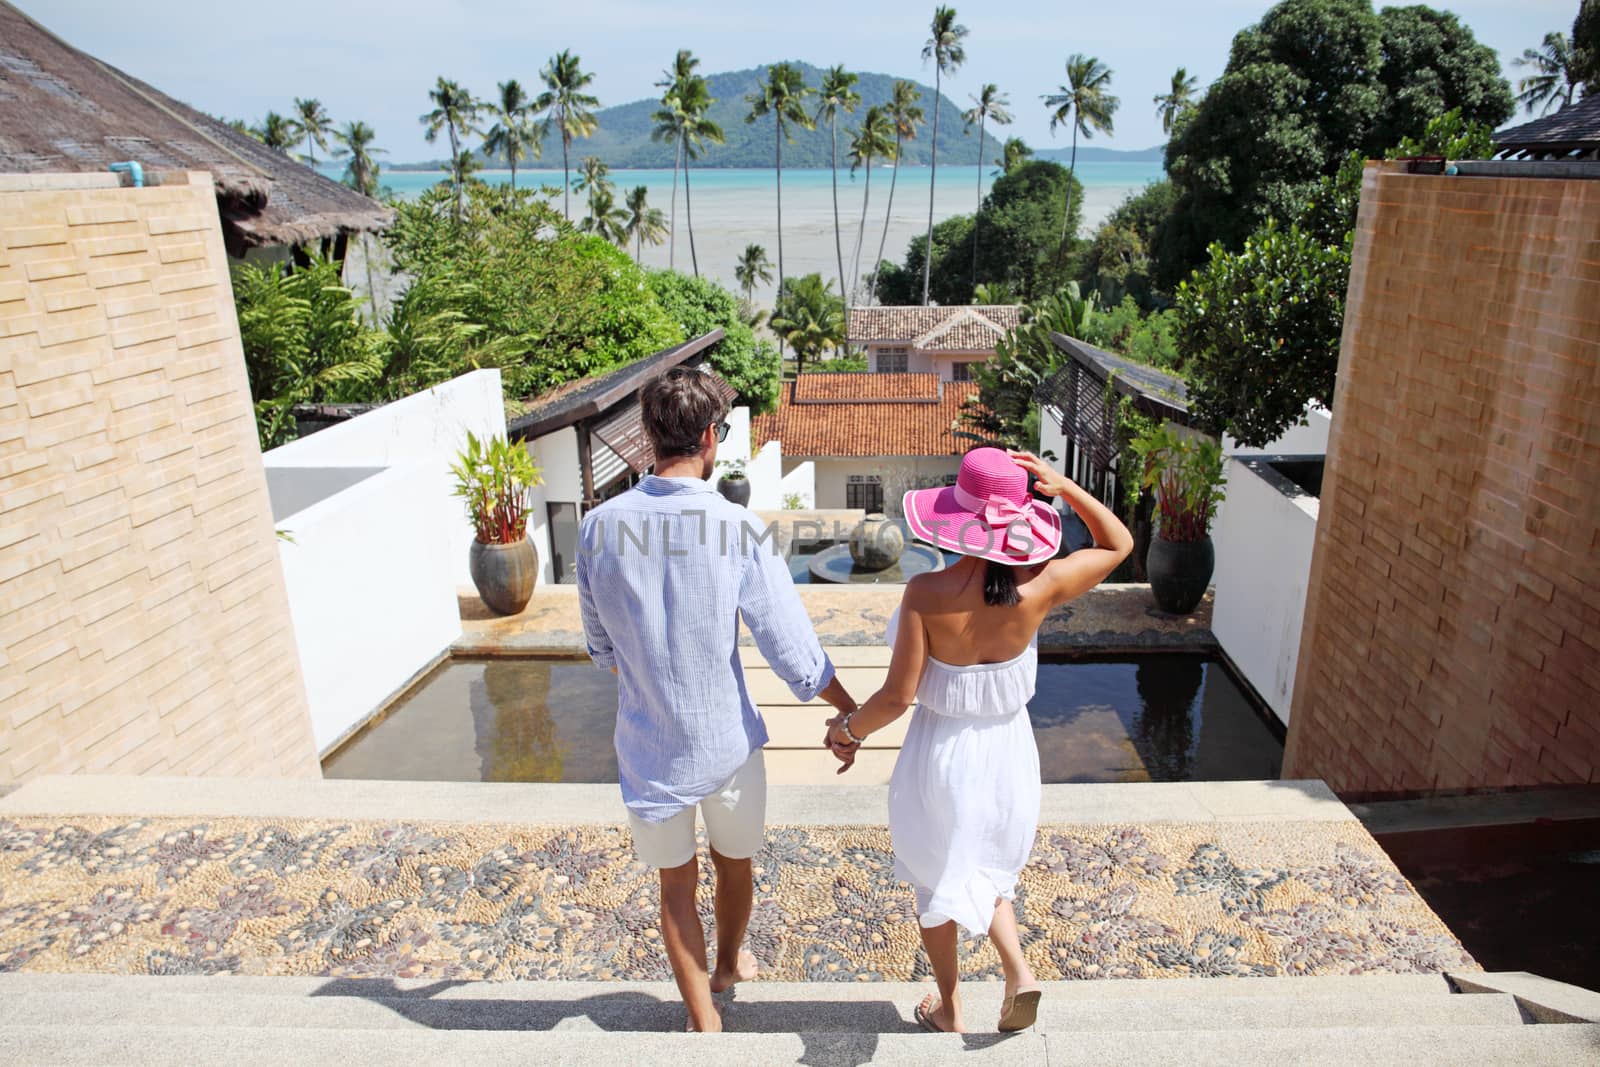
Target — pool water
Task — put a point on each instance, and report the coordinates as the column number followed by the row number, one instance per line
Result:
column 1160, row 717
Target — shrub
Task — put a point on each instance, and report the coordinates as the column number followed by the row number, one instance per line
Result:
column 699, row 305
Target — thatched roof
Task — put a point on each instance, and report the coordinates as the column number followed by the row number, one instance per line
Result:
column 64, row 110
column 1571, row 133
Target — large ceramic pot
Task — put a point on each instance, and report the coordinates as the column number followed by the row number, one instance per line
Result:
column 505, row 574
column 1180, row 572
column 876, row 543
column 735, row 489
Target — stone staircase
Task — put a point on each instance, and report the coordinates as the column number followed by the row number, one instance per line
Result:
column 1342, row 1021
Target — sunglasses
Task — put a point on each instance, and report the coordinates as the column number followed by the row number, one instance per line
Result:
column 722, row 432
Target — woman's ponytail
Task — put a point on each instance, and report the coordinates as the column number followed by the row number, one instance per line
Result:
column 1000, row 585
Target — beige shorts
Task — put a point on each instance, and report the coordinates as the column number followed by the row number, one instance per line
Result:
column 736, row 821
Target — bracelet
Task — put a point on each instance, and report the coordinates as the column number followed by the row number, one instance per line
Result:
column 844, row 724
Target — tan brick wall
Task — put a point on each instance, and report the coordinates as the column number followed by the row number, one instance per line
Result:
column 144, row 626
column 1452, row 631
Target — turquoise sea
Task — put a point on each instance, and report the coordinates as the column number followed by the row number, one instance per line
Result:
column 736, row 207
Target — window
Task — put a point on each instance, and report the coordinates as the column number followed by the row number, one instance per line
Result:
column 892, row 360
column 864, row 491
column 961, row 372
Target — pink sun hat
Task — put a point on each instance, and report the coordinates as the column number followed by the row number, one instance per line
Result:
column 988, row 513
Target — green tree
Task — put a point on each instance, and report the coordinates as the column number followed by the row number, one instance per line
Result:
column 753, row 268
column 699, row 131
column 1118, row 261
column 645, row 223
column 700, row 305
column 1586, row 44
column 669, row 120
column 684, row 118
column 810, row 316
column 1432, row 64
column 1176, row 100
column 1086, row 104
column 783, row 97
column 456, row 112
column 906, row 116
column 1005, row 413
column 835, row 94
column 314, row 125
column 946, row 47
column 303, row 342
column 1013, row 154
column 989, row 104
column 873, row 139
column 278, row 133
column 566, row 105
column 605, row 218
column 1555, row 78
column 512, row 137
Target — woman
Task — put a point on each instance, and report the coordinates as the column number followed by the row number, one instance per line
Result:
column 964, row 797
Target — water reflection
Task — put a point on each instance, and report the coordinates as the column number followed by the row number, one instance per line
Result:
column 1124, row 719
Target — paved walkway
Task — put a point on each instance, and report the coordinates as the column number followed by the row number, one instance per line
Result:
column 169, row 877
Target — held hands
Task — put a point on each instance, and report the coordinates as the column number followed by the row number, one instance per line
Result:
column 843, row 749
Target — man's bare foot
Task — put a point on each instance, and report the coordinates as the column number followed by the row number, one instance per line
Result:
column 937, row 1016
column 743, row 970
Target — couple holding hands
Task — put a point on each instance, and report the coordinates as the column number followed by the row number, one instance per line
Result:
column 661, row 606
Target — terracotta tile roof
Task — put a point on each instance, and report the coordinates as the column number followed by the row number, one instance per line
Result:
column 824, row 387
column 935, row 329
column 852, row 428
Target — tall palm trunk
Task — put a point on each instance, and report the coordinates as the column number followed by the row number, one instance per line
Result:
column 688, row 216
column 778, row 140
column 933, row 176
column 455, row 166
column 566, row 182
column 838, row 249
column 1066, row 212
column 861, row 235
column 888, row 214
column 672, row 237
column 977, row 215
column 513, row 162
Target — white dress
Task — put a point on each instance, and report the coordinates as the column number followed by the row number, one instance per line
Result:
column 964, row 797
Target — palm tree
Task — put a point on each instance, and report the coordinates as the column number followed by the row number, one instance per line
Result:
column 873, row 140
column 645, row 223
column 906, row 116
column 810, row 316
column 990, row 103
column 278, row 133
column 1013, row 154
column 836, row 93
column 753, row 268
column 783, row 97
column 314, row 125
column 1085, row 103
column 1177, row 100
column 593, row 177
column 512, row 136
column 698, row 129
column 455, row 111
column 361, row 174
column 944, row 47
column 565, row 104
column 669, row 121
column 605, row 218
column 1556, row 75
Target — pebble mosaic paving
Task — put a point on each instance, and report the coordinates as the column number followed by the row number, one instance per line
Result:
column 501, row 901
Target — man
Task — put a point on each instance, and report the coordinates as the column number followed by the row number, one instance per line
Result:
column 665, row 571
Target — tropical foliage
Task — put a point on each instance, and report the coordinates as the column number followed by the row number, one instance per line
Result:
column 873, row 139
column 1086, row 105
column 512, row 137
column 906, row 116
column 566, row 105
column 836, row 95
column 989, row 105
column 810, row 316
column 1186, row 475
column 1555, row 76
column 456, row 112
column 946, row 48
column 312, row 121
column 496, row 478
column 1005, row 413
column 744, row 362
column 783, row 98
column 644, row 223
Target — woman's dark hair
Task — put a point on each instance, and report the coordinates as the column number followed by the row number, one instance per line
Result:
column 1000, row 585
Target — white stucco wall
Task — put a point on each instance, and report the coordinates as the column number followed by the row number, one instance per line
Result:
column 800, row 480
column 1263, row 536
column 1308, row 439
column 372, row 593
column 899, row 473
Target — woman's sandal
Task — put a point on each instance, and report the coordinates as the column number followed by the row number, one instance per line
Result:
column 1020, row 1010
column 924, row 1018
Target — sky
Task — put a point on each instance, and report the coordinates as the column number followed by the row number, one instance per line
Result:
column 376, row 61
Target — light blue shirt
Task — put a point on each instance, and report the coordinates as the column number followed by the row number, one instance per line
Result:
column 665, row 571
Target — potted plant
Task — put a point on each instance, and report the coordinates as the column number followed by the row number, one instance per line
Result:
column 733, row 485
column 1185, row 474
column 496, row 479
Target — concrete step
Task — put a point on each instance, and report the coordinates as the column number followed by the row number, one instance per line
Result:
column 851, row 1009
column 1420, row 1046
